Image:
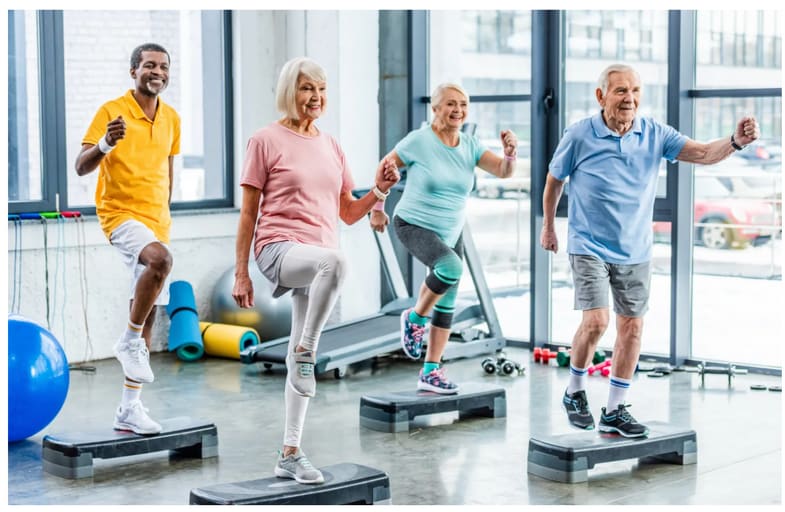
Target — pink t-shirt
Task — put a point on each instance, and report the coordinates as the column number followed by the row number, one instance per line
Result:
column 301, row 179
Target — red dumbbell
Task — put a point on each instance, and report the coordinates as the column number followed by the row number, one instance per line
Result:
column 603, row 368
column 543, row 355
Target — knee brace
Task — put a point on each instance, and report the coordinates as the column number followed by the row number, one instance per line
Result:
column 446, row 272
column 444, row 309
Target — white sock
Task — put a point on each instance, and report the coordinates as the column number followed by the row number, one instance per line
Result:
column 132, row 390
column 618, row 393
column 132, row 331
column 577, row 379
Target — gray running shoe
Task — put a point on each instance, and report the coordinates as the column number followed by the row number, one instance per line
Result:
column 299, row 468
column 300, row 374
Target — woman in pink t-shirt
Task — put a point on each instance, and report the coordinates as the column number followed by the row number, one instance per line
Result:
column 297, row 184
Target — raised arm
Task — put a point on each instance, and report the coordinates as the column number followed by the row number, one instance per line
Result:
column 718, row 150
column 351, row 210
column 92, row 154
column 501, row 167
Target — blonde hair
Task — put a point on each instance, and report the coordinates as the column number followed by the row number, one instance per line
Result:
column 438, row 92
column 604, row 79
column 287, row 83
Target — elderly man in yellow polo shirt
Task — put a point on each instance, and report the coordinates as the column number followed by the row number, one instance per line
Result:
column 133, row 140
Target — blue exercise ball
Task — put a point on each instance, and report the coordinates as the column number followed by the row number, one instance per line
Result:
column 272, row 318
column 37, row 378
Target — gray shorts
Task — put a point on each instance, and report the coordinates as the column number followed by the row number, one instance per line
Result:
column 269, row 262
column 630, row 285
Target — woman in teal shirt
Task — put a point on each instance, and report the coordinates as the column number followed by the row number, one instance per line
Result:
column 429, row 219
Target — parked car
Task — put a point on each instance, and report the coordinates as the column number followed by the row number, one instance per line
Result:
column 489, row 186
column 725, row 217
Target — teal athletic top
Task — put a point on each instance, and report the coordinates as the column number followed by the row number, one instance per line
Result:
column 438, row 181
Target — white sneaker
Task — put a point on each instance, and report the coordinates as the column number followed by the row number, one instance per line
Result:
column 299, row 468
column 134, row 417
column 135, row 358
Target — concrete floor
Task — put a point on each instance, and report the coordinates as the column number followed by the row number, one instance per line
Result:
column 473, row 461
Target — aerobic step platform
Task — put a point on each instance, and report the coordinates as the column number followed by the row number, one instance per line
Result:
column 392, row 412
column 344, row 484
column 71, row 455
column 569, row 457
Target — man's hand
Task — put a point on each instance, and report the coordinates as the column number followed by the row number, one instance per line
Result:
column 549, row 241
column 115, row 131
column 746, row 131
column 387, row 174
column 379, row 220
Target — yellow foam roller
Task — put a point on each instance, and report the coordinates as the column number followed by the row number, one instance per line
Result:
column 224, row 340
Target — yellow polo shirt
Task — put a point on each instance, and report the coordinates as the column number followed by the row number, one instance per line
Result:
column 133, row 179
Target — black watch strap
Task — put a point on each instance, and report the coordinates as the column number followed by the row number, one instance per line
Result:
column 733, row 143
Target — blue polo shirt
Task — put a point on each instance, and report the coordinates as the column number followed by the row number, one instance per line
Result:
column 613, row 184
column 438, row 181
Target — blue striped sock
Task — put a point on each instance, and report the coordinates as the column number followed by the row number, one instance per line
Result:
column 617, row 393
column 577, row 379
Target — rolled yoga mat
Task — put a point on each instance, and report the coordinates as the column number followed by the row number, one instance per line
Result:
column 224, row 340
column 185, row 338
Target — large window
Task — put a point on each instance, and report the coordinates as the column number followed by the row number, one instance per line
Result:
column 89, row 55
column 494, row 63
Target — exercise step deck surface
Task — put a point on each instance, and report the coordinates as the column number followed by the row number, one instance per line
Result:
column 344, row 484
column 70, row 455
column 569, row 457
column 392, row 412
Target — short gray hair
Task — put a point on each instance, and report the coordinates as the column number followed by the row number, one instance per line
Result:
column 287, row 83
column 438, row 92
column 604, row 79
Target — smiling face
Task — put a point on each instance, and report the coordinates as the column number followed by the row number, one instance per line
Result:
column 452, row 110
column 620, row 101
column 152, row 75
column 310, row 98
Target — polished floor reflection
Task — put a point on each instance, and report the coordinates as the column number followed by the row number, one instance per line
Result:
column 473, row 461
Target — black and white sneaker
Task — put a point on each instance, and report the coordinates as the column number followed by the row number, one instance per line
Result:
column 621, row 422
column 577, row 407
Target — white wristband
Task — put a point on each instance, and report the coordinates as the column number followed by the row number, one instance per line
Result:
column 381, row 196
column 104, row 146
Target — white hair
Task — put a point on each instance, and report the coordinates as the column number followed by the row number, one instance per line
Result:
column 438, row 92
column 604, row 79
column 287, row 83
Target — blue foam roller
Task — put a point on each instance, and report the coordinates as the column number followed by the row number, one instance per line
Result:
column 185, row 338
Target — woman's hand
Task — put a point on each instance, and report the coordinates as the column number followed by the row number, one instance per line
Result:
column 243, row 291
column 509, row 142
column 387, row 174
column 379, row 220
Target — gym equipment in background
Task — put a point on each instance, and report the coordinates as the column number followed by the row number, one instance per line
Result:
column 271, row 318
column 225, row 340
column 344, row 484
column 730, row 370
column 185, row 338
column 502, row 366
column 37, row 377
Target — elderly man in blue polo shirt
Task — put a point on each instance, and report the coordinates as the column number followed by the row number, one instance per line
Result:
column 612, row 160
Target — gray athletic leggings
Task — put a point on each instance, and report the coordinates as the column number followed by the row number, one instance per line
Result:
column 322, row 272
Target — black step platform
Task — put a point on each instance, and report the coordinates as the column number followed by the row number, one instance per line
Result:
column 344, row 484
column 392, row 412
column 568, row 457
column 71, row 455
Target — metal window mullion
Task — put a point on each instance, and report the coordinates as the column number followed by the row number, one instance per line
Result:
column 680, row 185
column 52, row 110
column 547, row 56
